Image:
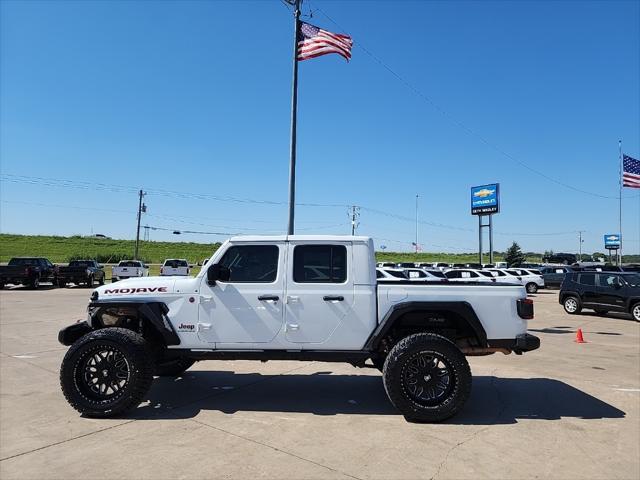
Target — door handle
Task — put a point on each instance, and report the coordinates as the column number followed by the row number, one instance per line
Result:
column 292, row 327
column 292, row 299
column 267, row 298
column 330, row 298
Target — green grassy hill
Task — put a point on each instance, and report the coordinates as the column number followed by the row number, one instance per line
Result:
column 63, row 249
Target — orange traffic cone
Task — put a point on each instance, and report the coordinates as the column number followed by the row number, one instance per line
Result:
column 579, row 337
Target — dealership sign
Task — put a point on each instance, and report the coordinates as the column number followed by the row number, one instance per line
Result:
column 485, row 199
column 612, row 241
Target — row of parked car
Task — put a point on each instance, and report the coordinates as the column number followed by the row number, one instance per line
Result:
column 531, row 279
column 32, row 271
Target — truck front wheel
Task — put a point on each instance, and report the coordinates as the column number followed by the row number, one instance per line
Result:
column 427, row 378
column 106, row 372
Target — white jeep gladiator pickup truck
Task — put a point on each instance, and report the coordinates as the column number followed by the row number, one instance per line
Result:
column 292, row 298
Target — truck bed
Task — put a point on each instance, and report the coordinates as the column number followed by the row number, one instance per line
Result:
column 485, row 298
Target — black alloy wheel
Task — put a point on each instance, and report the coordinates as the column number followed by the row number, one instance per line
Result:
column 427, row 378
column 106, row 372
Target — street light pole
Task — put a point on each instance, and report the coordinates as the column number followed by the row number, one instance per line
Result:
column 417, row 196
column 294, row 112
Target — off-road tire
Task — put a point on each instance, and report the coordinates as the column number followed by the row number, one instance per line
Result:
column 60, row 283
column 572, row 305
column 130, row 348
column 174, row 367
column 635, row 312
column 101, row 281
column 397, row 377
column 1, row 286
column 531, row 287
column 89, row 282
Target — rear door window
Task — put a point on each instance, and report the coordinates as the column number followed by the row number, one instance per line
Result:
column 320, row 264
column 588, row 279
column 608, row 280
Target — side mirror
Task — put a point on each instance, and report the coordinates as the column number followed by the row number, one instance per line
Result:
column 217, row 272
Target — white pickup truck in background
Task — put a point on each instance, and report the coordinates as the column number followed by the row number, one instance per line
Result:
column 129, row 269
column 293, row 298
column 175, row 267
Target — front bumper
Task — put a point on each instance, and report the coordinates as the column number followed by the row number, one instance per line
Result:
column 68, row 335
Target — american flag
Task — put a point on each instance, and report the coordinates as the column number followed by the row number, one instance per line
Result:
column 630, row 172
column 314, row 41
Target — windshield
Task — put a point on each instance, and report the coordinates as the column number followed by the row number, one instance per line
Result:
column 436, row 273
column 396, row 274
column 633, row 280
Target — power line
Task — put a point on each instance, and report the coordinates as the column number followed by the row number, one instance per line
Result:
column 460, row 124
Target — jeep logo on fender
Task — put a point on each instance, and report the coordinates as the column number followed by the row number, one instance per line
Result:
column 186, row 327
column 136, row 290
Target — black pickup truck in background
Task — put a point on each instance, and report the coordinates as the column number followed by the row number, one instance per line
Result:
column 81, row 272
column 29, row 271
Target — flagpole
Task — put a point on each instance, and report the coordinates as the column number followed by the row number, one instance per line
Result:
column 294, row 109
column 620, row 203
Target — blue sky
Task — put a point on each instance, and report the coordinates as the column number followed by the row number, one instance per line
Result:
column 194, row 97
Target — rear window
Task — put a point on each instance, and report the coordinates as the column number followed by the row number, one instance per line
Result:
column 588, row 279
column 175, row 263
column 129, row 264
column 24, row 261
column 81, row 263
column 320, row 264
column 536, row 272
column 512, row 272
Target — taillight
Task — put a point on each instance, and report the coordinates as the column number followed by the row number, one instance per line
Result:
column 161, row 270
column 525, row 308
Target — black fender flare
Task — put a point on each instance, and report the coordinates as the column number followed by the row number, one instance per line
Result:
column 462, row 309
column 154, row 312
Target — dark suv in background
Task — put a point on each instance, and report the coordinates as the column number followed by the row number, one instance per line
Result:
column 601, row 291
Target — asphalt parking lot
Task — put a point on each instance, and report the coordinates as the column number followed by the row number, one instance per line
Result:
column 565, row 411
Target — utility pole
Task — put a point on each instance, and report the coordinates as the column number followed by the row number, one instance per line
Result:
column 417, row 196
column 141, row 208
column 294, row 111
column 580, row 245
column 354, row 218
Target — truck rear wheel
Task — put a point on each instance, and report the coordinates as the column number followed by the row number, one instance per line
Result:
column 106, row 372
column 173, row 367
column 90, row 281
column 427, row 377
